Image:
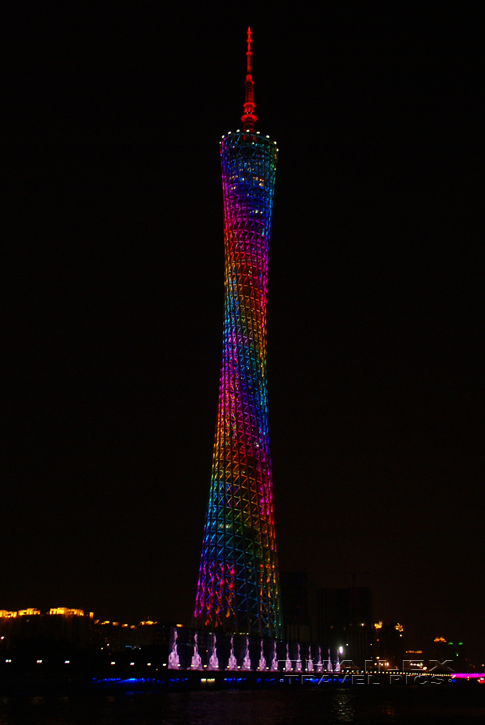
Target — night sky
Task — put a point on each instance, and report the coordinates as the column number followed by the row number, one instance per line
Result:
column 113, row 303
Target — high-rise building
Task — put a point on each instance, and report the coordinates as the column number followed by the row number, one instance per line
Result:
column 344, row 619
column 299, row 605
column 238, row 589
column 388, row 648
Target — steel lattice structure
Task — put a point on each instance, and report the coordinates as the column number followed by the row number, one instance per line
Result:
column 238, row 586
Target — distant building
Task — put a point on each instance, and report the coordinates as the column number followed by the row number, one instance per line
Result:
column 344, row 620
column 414, row 660
column 60, row 625
column 117, row 637
column 64, row 626
column 389, row 645
column 299, row 610
column 452, row 652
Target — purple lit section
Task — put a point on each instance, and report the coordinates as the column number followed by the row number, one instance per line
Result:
column 238, row 588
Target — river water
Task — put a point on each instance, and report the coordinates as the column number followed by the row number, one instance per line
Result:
column 363, row 705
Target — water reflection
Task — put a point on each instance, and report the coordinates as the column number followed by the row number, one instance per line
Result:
column 292, row 706
column 343, row 709
column 389, row 712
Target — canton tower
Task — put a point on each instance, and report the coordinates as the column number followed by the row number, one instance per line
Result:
column 238, row 589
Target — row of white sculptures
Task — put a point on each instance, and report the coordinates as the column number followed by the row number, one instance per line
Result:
column 196, row 661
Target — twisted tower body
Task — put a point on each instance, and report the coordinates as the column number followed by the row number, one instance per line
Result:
column 238, row 588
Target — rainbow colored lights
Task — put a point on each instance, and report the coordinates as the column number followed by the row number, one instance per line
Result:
column 238, row 588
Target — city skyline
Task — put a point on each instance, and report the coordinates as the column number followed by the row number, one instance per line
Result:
column 114, row 306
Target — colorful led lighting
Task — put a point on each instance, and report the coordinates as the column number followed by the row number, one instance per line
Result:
column 238, row 588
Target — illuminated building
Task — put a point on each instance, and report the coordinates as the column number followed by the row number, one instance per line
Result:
column 56, row 625
column 389, row 644
column 454, row 652
column 238, row 588
column 65, row 612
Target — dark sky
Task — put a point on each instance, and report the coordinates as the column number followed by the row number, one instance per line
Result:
column 114, row 300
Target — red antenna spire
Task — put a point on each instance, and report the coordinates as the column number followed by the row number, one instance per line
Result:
column 248, row 118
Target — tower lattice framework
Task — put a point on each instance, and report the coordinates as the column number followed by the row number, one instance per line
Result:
column 238, row 588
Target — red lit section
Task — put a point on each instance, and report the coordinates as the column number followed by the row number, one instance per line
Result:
column 248, row 118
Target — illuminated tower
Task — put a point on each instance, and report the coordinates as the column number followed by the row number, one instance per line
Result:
column 238, row 588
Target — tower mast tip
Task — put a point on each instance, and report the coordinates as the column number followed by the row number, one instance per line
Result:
column 248, row 118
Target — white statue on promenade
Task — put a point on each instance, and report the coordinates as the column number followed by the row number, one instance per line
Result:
column 319, row 661
column 298, row 661
column 309, row 666
column 274, row 661
column 288, row 667
column 213, row 661
column 196, row 663
column 173, row 658
column 232, row 664
column 262, row 660
column 246, row 665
